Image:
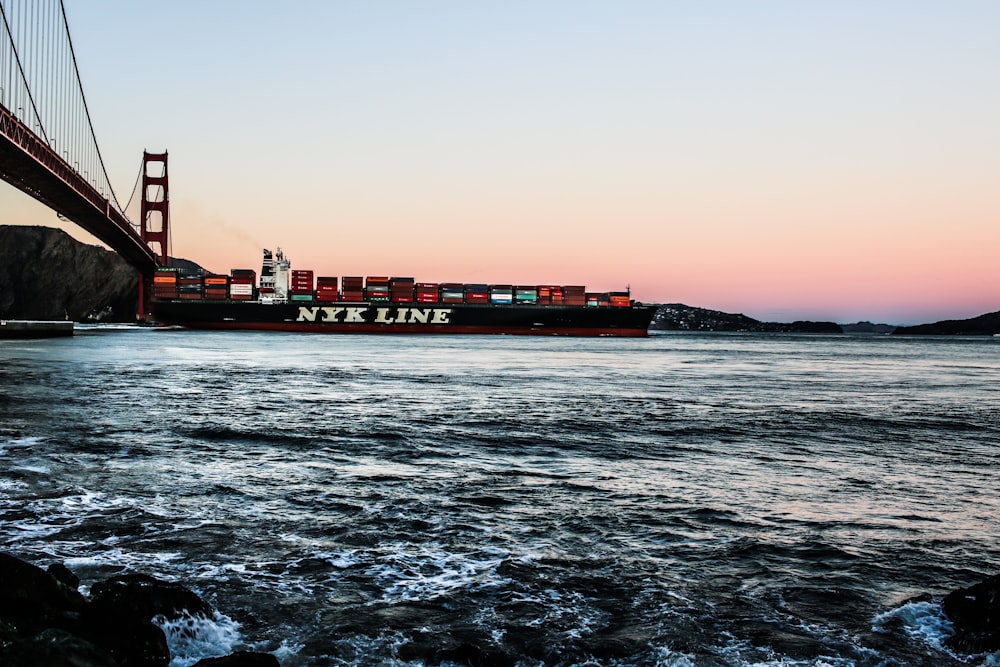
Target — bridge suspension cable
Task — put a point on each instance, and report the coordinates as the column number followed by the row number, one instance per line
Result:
column 40, row 85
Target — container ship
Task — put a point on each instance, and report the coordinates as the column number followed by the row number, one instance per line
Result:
column 298, row 300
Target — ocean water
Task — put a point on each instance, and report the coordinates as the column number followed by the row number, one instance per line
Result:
column 687, row 499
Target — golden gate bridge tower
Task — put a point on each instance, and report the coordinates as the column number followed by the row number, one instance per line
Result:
column 154, row 216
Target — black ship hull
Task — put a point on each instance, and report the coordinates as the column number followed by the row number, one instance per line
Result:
column 406, row 318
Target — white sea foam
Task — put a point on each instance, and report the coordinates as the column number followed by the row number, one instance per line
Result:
column 342, row 560
column 927, row 622
column 422, row 573
column 286, row 650
column 191, row 638
column 222, row 571
column 40, row 470
column 117, row 557
column 11, row 484
column 667, row 658
column 19, row 442
column 33, row 530
column 86, row 500
column 921, row 620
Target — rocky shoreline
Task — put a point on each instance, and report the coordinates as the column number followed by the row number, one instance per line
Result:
column 45, row 620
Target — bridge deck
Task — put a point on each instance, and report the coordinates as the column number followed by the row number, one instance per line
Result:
column 27, row 163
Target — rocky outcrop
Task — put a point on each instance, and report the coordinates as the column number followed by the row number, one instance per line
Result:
column 44, row 620
column 975, row 612
column 45, row 274
column 679, row 317
column 984, row 325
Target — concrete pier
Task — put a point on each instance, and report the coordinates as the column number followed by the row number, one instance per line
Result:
column 34, row 329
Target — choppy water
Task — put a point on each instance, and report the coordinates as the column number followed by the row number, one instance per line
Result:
column 682, row 500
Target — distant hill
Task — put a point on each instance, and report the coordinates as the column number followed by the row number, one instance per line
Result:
column 680, row 317
column 868, row 328
column 46, row 274
column 984, row 325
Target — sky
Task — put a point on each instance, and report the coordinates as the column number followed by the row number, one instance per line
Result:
column 786, row 160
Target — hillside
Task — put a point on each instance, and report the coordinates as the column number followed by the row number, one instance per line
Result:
column 680, row 317
column 45, row 274
column 983, row 325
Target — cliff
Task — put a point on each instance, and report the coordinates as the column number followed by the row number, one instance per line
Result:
column 679, row 317
column 45, row 274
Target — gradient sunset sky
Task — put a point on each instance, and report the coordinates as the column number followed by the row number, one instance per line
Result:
column 787, row 160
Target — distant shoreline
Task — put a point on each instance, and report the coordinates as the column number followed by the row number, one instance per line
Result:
column 45, row 274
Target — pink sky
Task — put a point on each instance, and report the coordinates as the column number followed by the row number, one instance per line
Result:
column 836, row 162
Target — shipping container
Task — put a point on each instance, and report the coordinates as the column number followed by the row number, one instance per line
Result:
column 620, row 299
column 526, row 294
column 501, row 294
column 243, row 276
column 215, row 279
column 401, row 292
column 477, row 293
column 427, row 293
column 165, row 276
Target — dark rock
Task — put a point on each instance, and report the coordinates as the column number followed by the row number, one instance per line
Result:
column 121, row 611
column 32, row 600
column 143, row 596
column 8, row 633
column 45, row 274
column 62, row 573
column 44, row 620
column 54, row 648
column 240, row 659
column 133, row 642
column 473, row 656
column 975, row 611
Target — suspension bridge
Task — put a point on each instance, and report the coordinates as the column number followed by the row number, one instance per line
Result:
column 48, row 148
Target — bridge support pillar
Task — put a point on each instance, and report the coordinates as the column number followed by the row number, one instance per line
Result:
column 155, row 217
